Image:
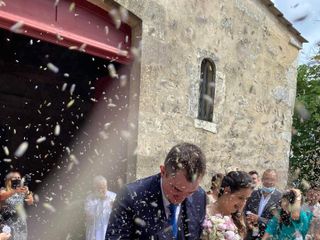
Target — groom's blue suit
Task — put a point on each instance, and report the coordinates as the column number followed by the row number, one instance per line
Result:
column 138, row 213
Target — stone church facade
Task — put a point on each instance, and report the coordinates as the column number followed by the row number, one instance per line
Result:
column 254, row 51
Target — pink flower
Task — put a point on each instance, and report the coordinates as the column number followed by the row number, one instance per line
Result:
column 229, row 235
column 221, row 227
column 207, row 224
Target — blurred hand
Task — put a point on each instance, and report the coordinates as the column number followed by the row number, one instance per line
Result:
column 250, row 225
column 295, row 215
column 21, row 190
column 29, row 198
column 253, row 218
column 5, row 236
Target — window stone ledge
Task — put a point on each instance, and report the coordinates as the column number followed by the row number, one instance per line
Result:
column 208, row 126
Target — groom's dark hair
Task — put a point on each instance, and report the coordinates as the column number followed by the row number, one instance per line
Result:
column 187, row 157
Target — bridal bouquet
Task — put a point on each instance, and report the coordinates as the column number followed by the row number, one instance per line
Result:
column 217, row 227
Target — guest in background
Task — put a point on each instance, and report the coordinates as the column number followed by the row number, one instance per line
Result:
column 255, row 179
column 260, row 204
column 215, row 187
column 12, row 199
column 290, row 222
column 224, row 218
column 312, row 207
column 98, row 207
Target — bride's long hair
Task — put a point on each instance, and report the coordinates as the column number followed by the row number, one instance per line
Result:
column 235, row 181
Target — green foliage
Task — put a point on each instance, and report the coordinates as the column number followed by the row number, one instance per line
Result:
column 305, row 146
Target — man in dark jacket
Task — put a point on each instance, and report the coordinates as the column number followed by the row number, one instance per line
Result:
column 169, row 205
column 260, row 205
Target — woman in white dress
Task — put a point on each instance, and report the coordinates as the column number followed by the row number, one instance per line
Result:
column 224, row 218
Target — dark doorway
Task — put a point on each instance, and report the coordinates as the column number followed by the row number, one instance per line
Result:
column 43, row 88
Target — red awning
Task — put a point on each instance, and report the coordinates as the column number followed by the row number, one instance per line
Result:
column 85, row 26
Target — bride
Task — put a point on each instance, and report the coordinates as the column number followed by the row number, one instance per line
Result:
column 224, row 219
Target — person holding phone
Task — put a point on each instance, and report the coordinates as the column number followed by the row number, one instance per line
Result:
column 290, row 222
column 12, row 199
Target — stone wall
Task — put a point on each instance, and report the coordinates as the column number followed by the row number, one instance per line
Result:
column 256, row 68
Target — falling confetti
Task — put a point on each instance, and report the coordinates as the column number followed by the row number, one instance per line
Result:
column 21, row 149
column 103, row 135
column 53, row 68
column 72, row 88
column 305, row 184
column 41, row 139
column 120, row 182
column 17, row 27
column 154, row 204
column 72, row 7
column 70, row 166
column 301, row 13
column 6, row 150
column 208, row 99
column 64, row 87
column 49, row 207
column 114, row 13
column 68, row 150
column 302, row 111
column 83, row 47
column 300, row 19
column 106, row 29
column 70, row 103
column 68, row 237
column 73, row 48
column 107, row 125
column 59, row 37
column 123, row 80
column 125, row 134
column 57, row 130
column 112, row 71
column 112, row 105
column 140, row 222
column 36, row 197
column 74, row 159
column 123, row 53
column 136, row 53
column 124, row 14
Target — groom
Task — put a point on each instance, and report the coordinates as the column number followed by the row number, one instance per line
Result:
column 169, row 205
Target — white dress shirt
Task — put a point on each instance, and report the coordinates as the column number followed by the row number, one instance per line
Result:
column 166, row 204
column 263, row 202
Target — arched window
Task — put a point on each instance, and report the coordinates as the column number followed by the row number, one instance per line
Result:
column 207, row 90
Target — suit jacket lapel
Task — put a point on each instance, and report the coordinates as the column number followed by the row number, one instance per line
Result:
column 257, row 202
column 157, row 209
column 188, row 217
column 159, row 200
